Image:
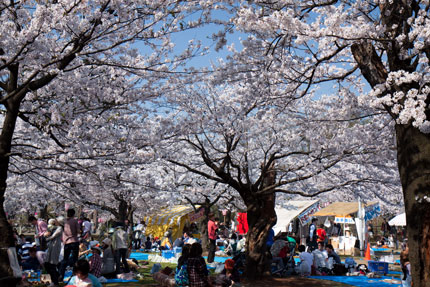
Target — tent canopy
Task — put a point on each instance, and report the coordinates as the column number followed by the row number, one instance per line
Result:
column 173, row 217
column 289, row 211
column 398, row 220
column 341, row 209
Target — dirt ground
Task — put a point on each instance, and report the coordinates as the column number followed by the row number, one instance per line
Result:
column 294, row 281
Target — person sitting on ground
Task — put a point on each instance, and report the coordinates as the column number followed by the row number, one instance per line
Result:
column 231, row 248
column 82, row 276
column 332, row 254
column 31, row 263
column 83, row 250
column 156, row 243
column 108, row 259
column 280, row 251
column 197, row 270
column 306, row 261
column 186, row 250
column 229, row 276
column 179, row 242
column 181, row 274
column 96, row 261
column 25, row 248
column 241, row 244
column 148, row 243
column 320, row 264
column 166, row 244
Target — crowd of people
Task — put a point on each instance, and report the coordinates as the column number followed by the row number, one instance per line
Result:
column 66, row 243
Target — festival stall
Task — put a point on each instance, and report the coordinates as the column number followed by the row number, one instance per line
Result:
column 344, row 213
column 398, row 220
column 173, row 219
column 301, row 210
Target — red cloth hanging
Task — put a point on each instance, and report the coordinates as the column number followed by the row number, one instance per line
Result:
column 242, row 220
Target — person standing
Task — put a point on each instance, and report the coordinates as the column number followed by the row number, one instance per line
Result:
column 71, row 242
column 54, row 249
column 321, row 234
column 86, row 231
column 406, row 267
column 212, row 227
column 312, row 244
column 385, row 228
column 119, row 245
column 41, row 231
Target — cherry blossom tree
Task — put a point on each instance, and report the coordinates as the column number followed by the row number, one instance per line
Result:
column 381, row 44
column 63, row 59
column 238, row 136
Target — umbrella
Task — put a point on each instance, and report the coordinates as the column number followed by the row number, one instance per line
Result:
column 399, row 220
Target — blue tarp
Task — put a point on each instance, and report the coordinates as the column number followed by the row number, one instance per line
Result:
column 360, row 281
column 381, row 249
column 219, row 259
column 139, row 256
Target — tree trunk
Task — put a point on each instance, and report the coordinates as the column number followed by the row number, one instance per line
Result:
column 413, row 159
column 204, row 229
column 6, row 238
column 261, row 217
column 122, row 211
column 43, row 213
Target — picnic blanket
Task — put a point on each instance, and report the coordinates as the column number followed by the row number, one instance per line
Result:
column 139, row 256
column 69, row 274
column 219, row 259
column 363, row 281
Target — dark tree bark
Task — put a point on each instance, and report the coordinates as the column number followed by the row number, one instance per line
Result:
column 261, row 218
column 413, row 147
column 6, row 238
column 413, row 158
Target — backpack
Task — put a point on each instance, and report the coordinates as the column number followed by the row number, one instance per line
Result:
column 181, row 275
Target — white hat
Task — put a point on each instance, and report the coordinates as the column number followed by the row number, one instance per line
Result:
column 167, row 233
column 60, row 220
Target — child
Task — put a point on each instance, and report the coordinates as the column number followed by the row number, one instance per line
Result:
column 82, row 278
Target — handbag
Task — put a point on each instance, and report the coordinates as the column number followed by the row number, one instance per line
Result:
column 181, row 275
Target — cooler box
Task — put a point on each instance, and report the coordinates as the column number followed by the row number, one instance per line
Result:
column 167, row 254
column 177, row 249
column 378, row 267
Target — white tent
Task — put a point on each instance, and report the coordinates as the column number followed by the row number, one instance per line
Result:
column 399, row 220
column 287, row 212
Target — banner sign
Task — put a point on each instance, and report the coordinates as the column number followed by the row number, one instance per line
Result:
column 372, row 212
column 348, row 220
column 197, row 216
column 306, row 215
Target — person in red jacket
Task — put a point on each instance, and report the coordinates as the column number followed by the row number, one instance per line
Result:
column 322, row 234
